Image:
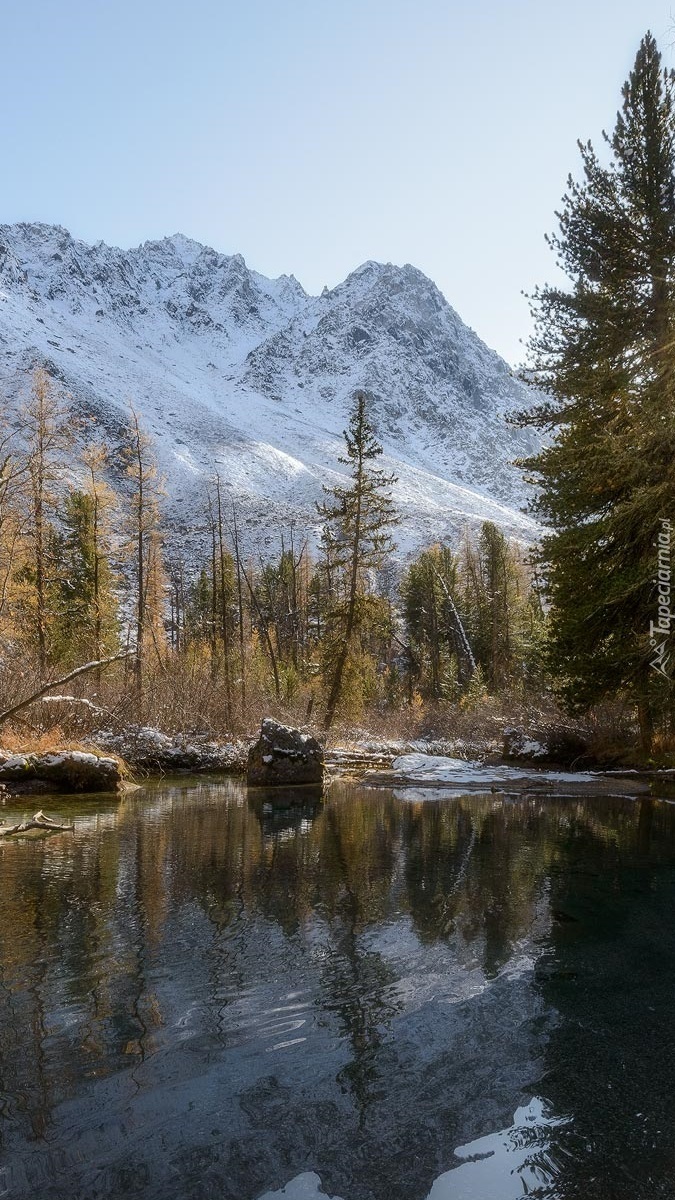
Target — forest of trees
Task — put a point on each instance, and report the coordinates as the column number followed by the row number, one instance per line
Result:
column 325, row 628
column 335, row 625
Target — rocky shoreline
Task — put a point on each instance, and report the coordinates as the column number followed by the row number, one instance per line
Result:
column 525, row 761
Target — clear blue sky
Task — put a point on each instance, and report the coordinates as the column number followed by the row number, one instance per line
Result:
column 310, row 135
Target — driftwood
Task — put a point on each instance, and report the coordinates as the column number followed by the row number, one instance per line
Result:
column 39, row 821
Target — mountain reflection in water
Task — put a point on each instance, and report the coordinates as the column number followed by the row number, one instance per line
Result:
column 205, row 995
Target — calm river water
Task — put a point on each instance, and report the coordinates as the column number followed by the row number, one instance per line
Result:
column 377, row 997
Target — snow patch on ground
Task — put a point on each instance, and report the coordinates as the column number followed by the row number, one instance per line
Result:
column 423, row 769
column 306, row 1186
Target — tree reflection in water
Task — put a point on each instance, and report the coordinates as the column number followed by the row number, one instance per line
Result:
column 202, row 991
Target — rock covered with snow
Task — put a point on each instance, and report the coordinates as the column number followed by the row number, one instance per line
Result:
column 252, row 376
column 65, row 771
column 519, row 746
column 284, row 757
column 552, row 744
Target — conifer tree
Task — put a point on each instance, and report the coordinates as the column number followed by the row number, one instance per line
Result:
column 431, row 647
column 357, row 521
column 497, row 601
column 82, row 601
column 145, row 546
column 603, row 351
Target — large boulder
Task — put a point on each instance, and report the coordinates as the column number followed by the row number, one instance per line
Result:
column 284, row 757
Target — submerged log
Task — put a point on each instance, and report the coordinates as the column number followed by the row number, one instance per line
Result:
column 39, row 821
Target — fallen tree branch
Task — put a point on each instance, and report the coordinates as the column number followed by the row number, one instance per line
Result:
column 39, row 821
column 47, row 687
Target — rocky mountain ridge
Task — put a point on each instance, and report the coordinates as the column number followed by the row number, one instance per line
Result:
column 252, row 377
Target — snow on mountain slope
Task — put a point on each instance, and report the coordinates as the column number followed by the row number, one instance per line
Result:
column 251, row 377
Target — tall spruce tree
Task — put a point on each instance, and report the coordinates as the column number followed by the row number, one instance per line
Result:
column 357, row 523
column 498, row 606
column 431, row 647
column 81, row 596
column 603, row 350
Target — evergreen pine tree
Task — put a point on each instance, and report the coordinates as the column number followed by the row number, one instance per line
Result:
column 431, row 648
column 81, row 592
column 357, row 521
column 603, row 351
column 498, row 604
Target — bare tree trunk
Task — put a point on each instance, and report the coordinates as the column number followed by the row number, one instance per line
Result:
column 240, row 602
column 225, row 633
column 646, row 724
column 140, row 569
column 39, row 821
column 214, row 598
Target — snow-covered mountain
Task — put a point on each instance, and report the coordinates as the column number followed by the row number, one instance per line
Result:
column 251, row 377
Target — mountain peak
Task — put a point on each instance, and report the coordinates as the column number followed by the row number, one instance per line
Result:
column 393, row 278
column 249, row 376
column 185, row 248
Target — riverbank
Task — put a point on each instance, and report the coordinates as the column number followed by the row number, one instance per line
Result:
column 110, row 761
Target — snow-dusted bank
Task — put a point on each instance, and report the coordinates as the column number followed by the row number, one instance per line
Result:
column 61, row 771
column 416, row 769
column 149, row 750
column 448, row 775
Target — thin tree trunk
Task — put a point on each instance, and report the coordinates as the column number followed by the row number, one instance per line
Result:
column 223, row 610
column 214, row 601
column 38, row 517
column 646, row 724
column 336, row 686
column 240, row 601
column 98, row 619
column 466, row 663
column 140, row 569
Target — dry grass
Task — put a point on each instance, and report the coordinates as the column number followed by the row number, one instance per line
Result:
column 25, row 740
